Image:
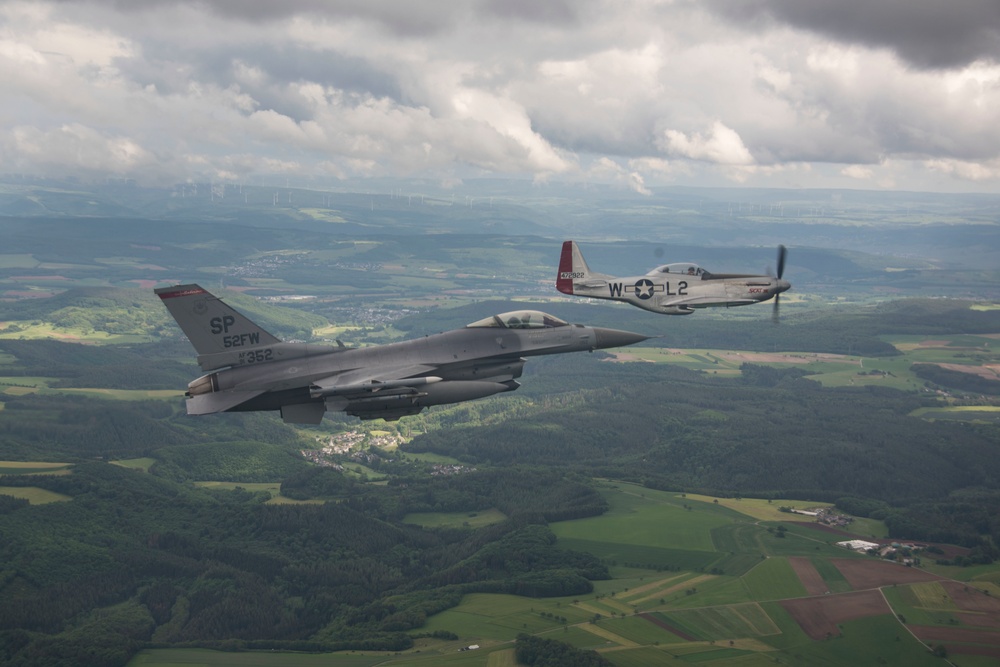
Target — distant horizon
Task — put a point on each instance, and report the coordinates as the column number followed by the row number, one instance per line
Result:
column 356, row 185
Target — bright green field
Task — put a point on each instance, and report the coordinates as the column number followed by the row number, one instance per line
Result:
column 646, row 518
column 871, row 641
column 358, row 471
column 725, row 622
column 502, row 617
column 773, row 579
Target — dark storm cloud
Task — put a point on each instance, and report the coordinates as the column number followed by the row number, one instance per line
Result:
column 327, row 68
column 278, row 66
column 331, row 70
column 929, row 34
column 533, row 11
column 411, row 18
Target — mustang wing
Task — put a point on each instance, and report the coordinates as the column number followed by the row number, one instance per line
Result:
column 704, row 302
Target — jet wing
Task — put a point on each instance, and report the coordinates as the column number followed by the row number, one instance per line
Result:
column 367, row 380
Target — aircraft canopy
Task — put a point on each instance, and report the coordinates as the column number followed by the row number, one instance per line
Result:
column 680, row 269
column 520, row 319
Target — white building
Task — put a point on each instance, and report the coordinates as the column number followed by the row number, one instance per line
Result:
column 858, row 545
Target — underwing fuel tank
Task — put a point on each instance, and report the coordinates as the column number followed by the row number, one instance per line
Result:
column 395, row 400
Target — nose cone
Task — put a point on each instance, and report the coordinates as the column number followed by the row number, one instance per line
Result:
column 615, row 338
column 781, row 286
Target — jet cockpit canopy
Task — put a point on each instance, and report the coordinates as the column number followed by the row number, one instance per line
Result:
column 520, row 319
column 680, row 269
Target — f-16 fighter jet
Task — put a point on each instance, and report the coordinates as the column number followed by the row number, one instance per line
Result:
column 670, row 289
column 249, row 369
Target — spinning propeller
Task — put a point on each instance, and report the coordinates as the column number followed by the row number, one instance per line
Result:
column 782, row 285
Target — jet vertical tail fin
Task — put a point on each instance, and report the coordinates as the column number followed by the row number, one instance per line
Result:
column 573, row 268
column 210, row 324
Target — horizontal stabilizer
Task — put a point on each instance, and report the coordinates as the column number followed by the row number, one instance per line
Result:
column 303, row 413
column 219, row 401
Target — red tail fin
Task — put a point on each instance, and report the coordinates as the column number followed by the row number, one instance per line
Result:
column 564, row 279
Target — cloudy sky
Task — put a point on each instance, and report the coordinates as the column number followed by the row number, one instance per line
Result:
column 891, row 94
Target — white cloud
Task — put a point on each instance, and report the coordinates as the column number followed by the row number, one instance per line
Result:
column 82, row 147
column 667, row 92
column 721, row 145
column 858, row 171
column 969, row 171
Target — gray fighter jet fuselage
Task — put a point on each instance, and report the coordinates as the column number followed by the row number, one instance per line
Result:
column 249, row 369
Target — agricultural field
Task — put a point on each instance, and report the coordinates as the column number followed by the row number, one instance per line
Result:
column 974, row 354
column 640, row 518
column 142, row 464
column 34, row 468
column 766, row 613
column 271, row 488
column 455, row 519
column 49, row 331
column 760, row 509
column 987, row 414
column 19, row 385
column 770, row 611
column 197, row 657
column 33, row 495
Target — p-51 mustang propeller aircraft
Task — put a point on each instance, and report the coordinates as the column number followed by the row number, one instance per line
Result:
column 671, row 289
column 249, row 369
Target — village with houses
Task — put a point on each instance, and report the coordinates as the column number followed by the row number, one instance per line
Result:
column 355, row 446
